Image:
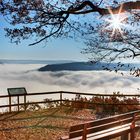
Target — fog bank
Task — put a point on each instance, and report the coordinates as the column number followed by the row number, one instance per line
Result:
column 26, row 75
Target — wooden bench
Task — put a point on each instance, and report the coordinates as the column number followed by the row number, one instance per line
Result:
column 123, row 125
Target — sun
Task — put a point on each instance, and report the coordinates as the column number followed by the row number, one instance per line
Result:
column 116, row 22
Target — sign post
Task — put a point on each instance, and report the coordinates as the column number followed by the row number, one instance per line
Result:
column 12, row 92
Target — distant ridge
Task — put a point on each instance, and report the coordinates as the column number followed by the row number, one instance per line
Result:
column 87, row 66
column 7, row 61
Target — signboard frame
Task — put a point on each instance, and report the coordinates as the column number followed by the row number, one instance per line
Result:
column 18, row 91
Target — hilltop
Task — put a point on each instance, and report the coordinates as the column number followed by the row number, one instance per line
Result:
column 87, row 66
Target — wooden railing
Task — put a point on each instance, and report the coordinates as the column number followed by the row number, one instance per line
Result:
column 62, row 97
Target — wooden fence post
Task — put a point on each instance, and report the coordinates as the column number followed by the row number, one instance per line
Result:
column 9, row 103
column 18, row 102
column 61, row 98
column 25, row 102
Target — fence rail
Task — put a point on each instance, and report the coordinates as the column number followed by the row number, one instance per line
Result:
column 62, row 99
column 75, row 93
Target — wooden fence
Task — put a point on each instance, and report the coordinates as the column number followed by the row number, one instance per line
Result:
column 61, row 98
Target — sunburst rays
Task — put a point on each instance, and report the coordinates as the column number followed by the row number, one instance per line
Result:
column 116, row 23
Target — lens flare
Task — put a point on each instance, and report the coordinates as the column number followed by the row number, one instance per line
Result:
column 116, row 22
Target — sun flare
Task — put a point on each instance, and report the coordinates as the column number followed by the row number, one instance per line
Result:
column 116, row 23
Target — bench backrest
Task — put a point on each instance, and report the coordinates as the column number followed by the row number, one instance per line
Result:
column 102, row 124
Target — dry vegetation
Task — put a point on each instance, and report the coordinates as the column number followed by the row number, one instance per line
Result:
column 46, row 124
column 105, row 105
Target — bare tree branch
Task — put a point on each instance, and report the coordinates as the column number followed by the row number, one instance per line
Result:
column 102, row 11
column 54, row 19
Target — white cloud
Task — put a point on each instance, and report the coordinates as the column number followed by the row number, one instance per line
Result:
column 17, row 75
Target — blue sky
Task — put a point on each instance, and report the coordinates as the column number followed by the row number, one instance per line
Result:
column 54, row 50
column 59, row 49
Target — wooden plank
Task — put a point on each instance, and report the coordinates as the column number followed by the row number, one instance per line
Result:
column 109, row 125
column 77, row 127
column 102, row 121
column 109, row 134
column 110, row 119
column 86, row 94
column 92, row 94
column 76, row 134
